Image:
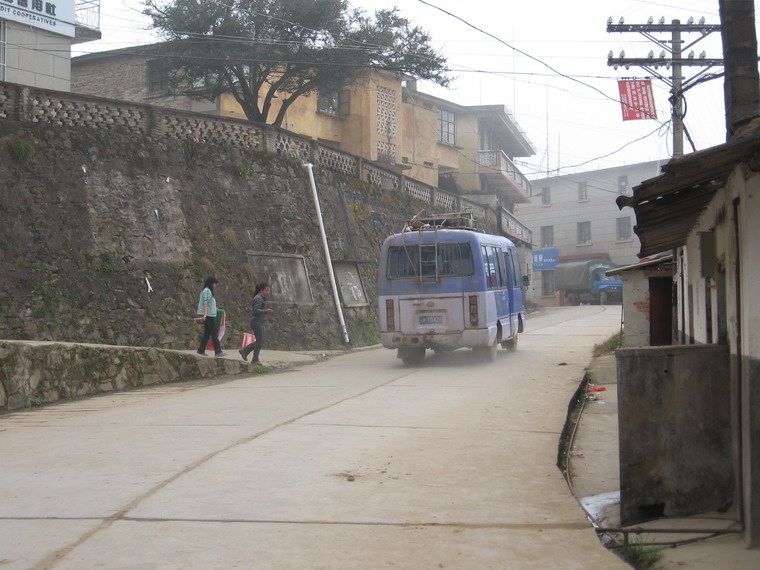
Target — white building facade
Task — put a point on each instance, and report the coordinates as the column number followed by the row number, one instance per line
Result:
column 575, row 217
column 36, row 38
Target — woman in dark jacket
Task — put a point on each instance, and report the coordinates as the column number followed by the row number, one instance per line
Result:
column 258, row 316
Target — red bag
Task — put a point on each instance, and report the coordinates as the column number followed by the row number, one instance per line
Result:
column 248, row 338
column 221, row 323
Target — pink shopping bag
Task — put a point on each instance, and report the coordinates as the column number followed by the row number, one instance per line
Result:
column 248, row 338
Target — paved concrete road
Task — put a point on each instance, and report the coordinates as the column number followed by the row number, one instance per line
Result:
column 354, row 462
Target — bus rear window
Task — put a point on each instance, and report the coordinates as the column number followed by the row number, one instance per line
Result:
column 442, row 260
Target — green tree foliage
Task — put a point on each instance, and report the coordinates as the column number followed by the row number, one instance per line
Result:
column 259, row 50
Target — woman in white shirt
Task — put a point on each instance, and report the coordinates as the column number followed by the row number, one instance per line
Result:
column 207, row 314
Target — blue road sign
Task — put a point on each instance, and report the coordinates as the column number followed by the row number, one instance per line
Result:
column 545, row 259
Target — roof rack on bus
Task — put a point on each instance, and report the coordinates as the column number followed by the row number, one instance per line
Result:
column 452, row 220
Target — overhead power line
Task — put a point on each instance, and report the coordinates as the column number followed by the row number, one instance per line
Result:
column 552, row 70
column 521, row 52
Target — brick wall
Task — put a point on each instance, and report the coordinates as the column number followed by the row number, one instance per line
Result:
column 115, row 78
column 121, row 77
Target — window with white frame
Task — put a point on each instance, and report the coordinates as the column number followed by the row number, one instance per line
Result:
column 624, row 229
column 546, row 196
column 584, row 233
column 446, row 127
column 582, row 191
column 547, row 236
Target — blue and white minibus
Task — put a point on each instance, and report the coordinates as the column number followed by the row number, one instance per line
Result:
column 444, row 285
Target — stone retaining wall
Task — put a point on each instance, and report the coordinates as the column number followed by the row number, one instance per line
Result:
column 74, row 110
column 36, row 373
column 108, row 233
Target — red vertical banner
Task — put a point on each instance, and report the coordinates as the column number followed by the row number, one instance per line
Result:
column 636, row 99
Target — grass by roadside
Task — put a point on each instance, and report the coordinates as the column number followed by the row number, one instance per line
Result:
column 609, row 345
column 640, row 556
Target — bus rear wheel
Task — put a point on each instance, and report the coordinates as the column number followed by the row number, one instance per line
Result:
column 411, row 356
column 487, row 353
column 511, row 344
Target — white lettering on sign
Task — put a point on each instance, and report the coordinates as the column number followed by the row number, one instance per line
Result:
column 58, row 16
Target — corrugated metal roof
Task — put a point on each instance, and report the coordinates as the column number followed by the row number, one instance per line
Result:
column 667, row 207
column 643, row 264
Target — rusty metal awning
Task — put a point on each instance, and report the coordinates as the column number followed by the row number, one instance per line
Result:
column 667, row 207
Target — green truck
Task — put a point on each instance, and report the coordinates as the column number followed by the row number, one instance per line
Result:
column 587, row 282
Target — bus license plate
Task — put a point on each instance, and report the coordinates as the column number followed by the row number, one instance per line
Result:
column 431, row 319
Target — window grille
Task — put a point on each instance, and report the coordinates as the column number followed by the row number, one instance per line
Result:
column 386, row 111
column 386, row 152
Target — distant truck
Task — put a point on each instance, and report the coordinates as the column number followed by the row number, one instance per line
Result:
column 586, row 282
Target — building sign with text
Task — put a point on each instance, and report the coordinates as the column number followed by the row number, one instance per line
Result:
column 636, row 99
column 57, row 16
column 545, row 259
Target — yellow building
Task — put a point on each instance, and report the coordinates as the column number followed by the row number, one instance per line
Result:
column 376, row 119
column 486, row 139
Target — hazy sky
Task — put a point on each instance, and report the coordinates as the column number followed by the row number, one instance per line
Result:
column 546, row 61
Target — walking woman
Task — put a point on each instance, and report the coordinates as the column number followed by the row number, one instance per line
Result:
column 259, row 315
column 207, row 314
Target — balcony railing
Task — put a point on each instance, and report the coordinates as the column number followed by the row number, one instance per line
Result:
column 87, row 13
column 513, row 227
column 496, row 161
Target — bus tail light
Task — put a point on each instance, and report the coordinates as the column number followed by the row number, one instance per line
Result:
column 473, row 310
column 390, row 316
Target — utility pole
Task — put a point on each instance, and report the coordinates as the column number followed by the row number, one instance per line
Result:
column 671, row 57
column 742, row 86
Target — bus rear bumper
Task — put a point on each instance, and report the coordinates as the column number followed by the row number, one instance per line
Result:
column 443, row 341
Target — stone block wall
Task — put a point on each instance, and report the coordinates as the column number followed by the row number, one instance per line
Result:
column 36, row 373
column 109, row 230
